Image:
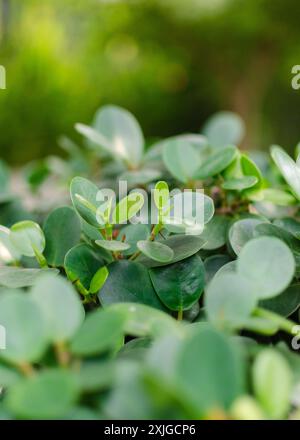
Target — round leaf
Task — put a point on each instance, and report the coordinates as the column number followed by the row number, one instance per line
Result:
column 241, row 232
column 183, row 247
column 16, row 277
column 229, row 300
column 156, row 251
column 181, row 159
column 288, row 168
column 48, row 395
column 224, row 128
column 272, row 382
column 216, row 162
column 62, row 231
column 113, row 245
column 179, row 285
column 61, row 307
column 81, row 263
column 128, row 282
column 268, row 264
column 215, row 232
column 101, row 331
column 240, row 184
column 27, row 237
column 26, row 332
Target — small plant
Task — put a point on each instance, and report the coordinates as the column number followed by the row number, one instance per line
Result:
column 125, row 307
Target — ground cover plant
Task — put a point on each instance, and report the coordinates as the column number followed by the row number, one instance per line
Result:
column 126, row 308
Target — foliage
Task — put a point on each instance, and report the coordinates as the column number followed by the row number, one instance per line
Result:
column 180, row 314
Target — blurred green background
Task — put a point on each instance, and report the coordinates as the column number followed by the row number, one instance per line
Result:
column 170, row 62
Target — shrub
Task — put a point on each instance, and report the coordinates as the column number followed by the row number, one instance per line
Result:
column 185, row 314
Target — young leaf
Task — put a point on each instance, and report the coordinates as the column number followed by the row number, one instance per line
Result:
column 81, row 263
column 240, row 184
column 28, row 238
column 127, row 208
column 99, row 279
column 288, row 168
column 85, row 197
column 179, row 285
column 62, row 231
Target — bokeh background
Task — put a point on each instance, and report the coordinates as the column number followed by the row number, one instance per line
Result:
column 171, row 62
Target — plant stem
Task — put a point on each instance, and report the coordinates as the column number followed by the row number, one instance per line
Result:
column 283, row 323
column 180, row 315
column 26, row 368
column 40, row 259
column 62, row 354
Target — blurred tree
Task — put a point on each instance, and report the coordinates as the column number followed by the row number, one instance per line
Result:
column 172, row 63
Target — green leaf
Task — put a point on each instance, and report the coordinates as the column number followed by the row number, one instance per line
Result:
column 142, row 320
column 16, row 277
column 132, row 234
column 249, row 168
column 181, row 159
column 241, row 232
column 86, row 198
column 288, row 168
column 289, row 224
column 240, row 184
column 8, row 252
column 181, row 284
column 190, row 211
column 62, row 230
column 96, row 375
column 101, row 331
column 272, row 382
column 118, row 133
column 156, row 251
column 268, row 264
column 48, row 395
column 128, row 282
column 216, row 162
column 26, row 332
column 267, row 229
column 284, row 304
column 278, row 197
column 28, row 238
column 224, row 128
column 113, row 245
column 61, row 307
column 99, row 279
column 215, row 232
column 183, row 247
column 209, row 370
column 81, row 263
column 229, row 300
column 127, row 208
column 212, row 264
column 8, row 376
column 140, row 177
column 161, row 195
